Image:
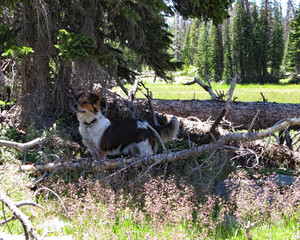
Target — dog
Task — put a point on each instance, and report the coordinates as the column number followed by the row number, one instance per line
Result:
column 105, row 137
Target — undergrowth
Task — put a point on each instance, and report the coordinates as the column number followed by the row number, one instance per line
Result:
column 161, row 207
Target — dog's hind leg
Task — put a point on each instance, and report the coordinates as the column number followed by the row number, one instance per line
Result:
column 145, row 148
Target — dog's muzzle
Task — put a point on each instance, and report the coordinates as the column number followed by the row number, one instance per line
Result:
column 76, row 107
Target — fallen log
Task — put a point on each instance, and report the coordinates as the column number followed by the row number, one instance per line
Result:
column 241, row 113
column 99, row 166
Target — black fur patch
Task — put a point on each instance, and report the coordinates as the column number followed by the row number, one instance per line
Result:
column 125, row 132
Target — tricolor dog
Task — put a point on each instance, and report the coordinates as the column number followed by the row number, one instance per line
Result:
column 105, row 137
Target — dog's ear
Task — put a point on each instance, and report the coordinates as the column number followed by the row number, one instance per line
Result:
column 94, row 98
column 78, row 95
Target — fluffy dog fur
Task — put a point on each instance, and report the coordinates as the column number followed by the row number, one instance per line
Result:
column 105, row 137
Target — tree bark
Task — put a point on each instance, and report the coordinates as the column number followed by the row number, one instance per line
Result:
column 241, row 113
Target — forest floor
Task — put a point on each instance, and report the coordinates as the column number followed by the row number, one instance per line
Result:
column 168, row 203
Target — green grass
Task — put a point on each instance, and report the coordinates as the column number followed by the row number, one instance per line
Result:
column 279, row 93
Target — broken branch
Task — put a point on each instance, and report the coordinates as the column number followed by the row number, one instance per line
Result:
column 20, row 146
column 28, row 227
column 166, row 157
column 206, row 88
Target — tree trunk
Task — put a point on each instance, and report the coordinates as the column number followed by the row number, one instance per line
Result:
column 35, row 67
column 241, row 113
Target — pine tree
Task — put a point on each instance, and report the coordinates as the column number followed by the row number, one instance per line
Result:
column 203, row 55
column 194, row 39
column 109, row 27
column 217, row 52
column 242, row 47
column 277, row 40
column 228, row 64
column 186, row 51
column 294, row 45
column 260, row 48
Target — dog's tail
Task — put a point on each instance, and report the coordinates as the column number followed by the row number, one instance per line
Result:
column 169, row 131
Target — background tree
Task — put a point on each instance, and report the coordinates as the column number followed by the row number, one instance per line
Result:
column 217, row 52
column 277, row 40
column 293, row 48
column 186, row 52
column 203, row 59
column 242, row 47
column 194, row 39
column 228, row 64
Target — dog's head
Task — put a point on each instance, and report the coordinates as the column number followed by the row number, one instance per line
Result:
column 87, row 103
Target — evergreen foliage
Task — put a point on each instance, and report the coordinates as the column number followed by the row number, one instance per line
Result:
column 228, row 63
column 203, row 59
column 217, row 52
column 251, row 43
column 293, row 48
column 277, row 41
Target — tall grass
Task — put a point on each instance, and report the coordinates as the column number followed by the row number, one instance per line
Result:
column 165, row 209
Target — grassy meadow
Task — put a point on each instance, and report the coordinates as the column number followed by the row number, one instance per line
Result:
column 280, row 93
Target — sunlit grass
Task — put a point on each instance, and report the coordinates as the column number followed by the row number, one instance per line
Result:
column 245, row 93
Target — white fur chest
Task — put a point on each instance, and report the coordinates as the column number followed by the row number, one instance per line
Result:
column 91, row 134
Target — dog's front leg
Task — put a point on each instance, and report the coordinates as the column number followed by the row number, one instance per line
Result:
column 101, row 155
column 94, row 155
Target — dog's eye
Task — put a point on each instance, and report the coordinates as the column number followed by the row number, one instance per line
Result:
column 85, row 102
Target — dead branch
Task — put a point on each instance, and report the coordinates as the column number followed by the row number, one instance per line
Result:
column 20, row 146
column 207, row 88
column 7, row 220
column 253, row 121
column 218, row 120
column 98, row 166
column 28, row 227
column 190, row 83
column 226, row 109
column 123, row 88
column 263, row 97
column 55, row 194
column 133, row 91
column 149, row 97
column 229, row 99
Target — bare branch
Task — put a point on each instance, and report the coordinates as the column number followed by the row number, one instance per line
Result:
column 166, row 157
column 149, row 97
column 229, row 99
column 20, row 215
column 253, row 121
column 56, row 195
column 206, row 88
column 190, row 83
column 133, row 91
column 20, row 146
